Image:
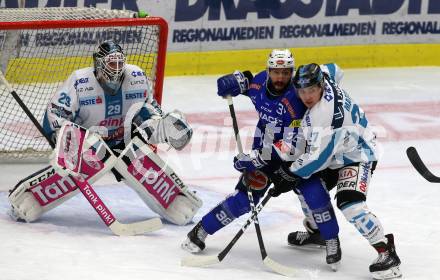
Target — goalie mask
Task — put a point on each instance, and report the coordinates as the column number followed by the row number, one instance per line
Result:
column 109, row 63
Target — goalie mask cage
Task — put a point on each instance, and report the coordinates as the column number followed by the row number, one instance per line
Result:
column 41, row 47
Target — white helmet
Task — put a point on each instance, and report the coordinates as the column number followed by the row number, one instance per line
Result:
column 281, row 59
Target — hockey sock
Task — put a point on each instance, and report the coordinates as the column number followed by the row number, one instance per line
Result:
column 228, row 210
column 366, row 223
column 307, row 213
column 317, row 198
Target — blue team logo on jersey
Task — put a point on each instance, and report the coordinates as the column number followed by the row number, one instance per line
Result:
column 81, row 81
column 328, row 94
column 138, row 73
column 93, row 100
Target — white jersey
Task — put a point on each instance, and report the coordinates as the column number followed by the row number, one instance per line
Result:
column 82, row 100
column 335, row 133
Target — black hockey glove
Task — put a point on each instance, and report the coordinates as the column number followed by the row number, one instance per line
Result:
column 283, row 180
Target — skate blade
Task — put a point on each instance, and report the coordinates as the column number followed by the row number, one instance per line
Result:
column 391, row 273
column 190, row 247
column 307, row 247
column 334, row 266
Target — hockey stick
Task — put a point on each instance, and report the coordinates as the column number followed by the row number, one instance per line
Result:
column 418, row 164
column 104, row 213
column 275, row 266
column 199, row 261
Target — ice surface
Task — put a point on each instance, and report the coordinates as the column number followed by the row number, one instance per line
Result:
column 70, row 242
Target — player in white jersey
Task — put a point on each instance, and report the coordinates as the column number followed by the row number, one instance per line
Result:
column 341, row 147
column 115, row 100
column 107, row 97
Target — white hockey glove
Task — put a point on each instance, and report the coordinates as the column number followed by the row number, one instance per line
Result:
column 172, row 128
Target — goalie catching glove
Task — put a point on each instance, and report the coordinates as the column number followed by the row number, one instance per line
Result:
column 172, row 128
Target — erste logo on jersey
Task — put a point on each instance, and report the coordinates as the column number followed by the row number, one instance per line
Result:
column 135, row 95
column 93, row 100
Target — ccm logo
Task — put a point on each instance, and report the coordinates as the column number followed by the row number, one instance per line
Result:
column 42, row 177
column 347, row 173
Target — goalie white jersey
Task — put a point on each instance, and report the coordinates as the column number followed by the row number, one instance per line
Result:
column 82, row 100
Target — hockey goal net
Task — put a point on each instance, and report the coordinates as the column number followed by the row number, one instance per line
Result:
column 40, row 47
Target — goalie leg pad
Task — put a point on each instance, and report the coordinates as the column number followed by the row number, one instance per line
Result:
column 157, row 184
column 50, row 187
column 38, row 193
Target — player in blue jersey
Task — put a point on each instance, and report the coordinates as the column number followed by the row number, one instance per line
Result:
column 280, row 112
column 340, row 146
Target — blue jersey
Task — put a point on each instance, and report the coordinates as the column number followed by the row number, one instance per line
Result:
column 280, row 115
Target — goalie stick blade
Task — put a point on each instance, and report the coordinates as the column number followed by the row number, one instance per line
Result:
column 418, row 164
column 199, row 261
column 279, row 268
column 136, row 228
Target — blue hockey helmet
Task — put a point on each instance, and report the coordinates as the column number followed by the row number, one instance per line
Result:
column 109, row 63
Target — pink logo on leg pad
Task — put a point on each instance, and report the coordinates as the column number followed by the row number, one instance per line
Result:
column 154, row 179
column 52, row 189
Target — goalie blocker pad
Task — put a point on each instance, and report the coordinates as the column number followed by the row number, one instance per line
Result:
column 50, row 187
column 157, row 184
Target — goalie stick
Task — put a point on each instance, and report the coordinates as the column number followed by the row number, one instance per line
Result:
column 418, row 164
column 115, row 226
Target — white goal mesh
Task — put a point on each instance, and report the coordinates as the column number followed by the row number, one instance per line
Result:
column 40, row 47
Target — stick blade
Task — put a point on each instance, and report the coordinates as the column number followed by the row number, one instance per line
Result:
column 279, row 268
column 136, row 228
column 199, row 261
column 418, row 164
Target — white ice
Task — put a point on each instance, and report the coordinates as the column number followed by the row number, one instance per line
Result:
column 71, row 242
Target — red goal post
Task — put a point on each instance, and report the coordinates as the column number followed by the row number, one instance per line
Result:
column 39, row 49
